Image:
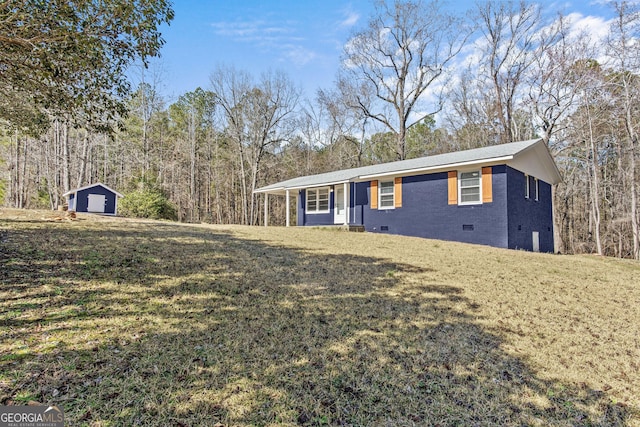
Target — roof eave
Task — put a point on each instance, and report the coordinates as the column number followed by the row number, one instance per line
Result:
column 284, row 189
column 449, row 166
column 74, row 191
column 549, row 172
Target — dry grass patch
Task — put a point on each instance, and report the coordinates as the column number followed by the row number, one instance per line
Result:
column 150, row 323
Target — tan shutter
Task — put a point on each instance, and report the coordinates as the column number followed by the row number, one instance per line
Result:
column 487, row 185
column 374, row 194
column 397, row 192
column 453, row 188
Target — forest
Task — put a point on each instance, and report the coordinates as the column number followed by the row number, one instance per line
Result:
column 411, row 84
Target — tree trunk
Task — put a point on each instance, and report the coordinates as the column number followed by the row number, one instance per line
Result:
column 632, row 139
column 193, row 202
column 594, row 184
column 634, row 201
column 23, row 175
column 558, row 244
column 66, row 174
column 82, row 168
column 243, row 187
column 14, row 165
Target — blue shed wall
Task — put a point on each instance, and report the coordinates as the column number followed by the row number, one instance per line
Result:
column 82, row 199
column 425, row 211
column 529, row 215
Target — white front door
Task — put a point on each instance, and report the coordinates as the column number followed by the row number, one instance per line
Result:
column 339, row 211
column 535, row 236
column 96, row 203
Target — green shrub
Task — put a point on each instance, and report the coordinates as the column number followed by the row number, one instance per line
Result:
column 41, row 199
column 147, row 203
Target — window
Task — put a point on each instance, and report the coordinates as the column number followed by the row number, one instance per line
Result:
column 531, row 185
column 318, row 200
column 385, row 191
column 469, row 187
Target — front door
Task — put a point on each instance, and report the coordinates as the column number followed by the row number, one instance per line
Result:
column 339, row 211
column 96, row 203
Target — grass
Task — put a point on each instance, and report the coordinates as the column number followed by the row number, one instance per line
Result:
column 126, row 322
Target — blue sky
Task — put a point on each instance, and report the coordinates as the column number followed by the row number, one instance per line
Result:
column 302, row 38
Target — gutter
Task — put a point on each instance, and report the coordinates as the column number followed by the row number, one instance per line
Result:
column 408, row 172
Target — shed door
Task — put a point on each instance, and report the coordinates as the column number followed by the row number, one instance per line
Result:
column 96, row 203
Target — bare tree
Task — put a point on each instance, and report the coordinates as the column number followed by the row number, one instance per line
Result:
column 401, row 57
column 315, row 131
column 347, row 125
column 510, row 34
column 588, row 131
column 470, row 112
column 192, row 117
column 625, row 54
column 557, row 75
column 257, row 117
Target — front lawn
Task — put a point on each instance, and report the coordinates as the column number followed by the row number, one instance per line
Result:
column 125, row 322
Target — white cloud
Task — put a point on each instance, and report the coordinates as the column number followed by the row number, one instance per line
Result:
column 250, row 30
column 280, row 39
column 351, row 19
column 298, row 55
column 595, row 26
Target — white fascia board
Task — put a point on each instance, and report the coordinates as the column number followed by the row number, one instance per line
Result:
column 97, row 184
column 270, row 190
column 283, row 190
column 325, row 184
column 431, row 169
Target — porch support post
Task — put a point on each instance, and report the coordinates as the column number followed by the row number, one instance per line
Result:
column 346, row 201
column 288, row 210
column 266, row 209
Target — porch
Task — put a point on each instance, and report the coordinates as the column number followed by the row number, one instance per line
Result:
column 335, row 203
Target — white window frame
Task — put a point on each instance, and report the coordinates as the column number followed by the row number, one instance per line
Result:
column 479, row 201
column 537, row 188
column 317, row 192
column 526, row 186
column 393, row 194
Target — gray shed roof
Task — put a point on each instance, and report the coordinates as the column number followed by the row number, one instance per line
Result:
column 530, row 156
column 90, row 186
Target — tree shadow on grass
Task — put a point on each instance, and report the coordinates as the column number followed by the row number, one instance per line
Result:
column 171, row 325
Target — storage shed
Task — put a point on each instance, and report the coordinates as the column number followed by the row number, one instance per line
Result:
column 94, row 198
